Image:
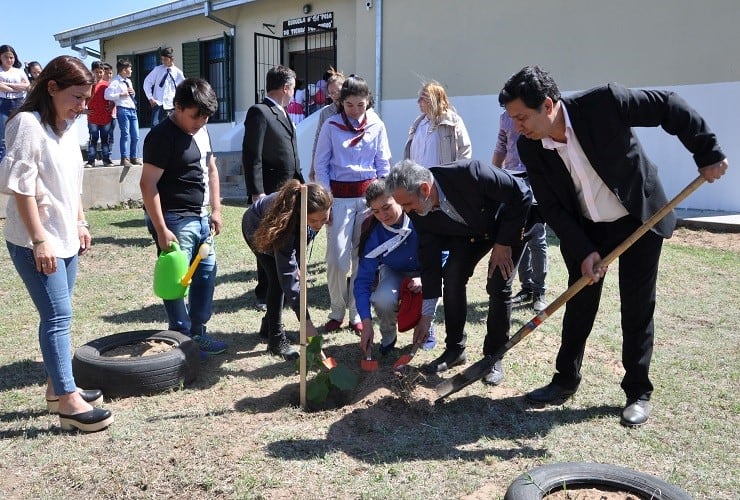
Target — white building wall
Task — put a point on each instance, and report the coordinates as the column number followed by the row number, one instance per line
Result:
column 718, row 103
column 472, row 46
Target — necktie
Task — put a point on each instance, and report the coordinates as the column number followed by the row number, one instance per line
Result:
column 164, row 78
column 128, row 86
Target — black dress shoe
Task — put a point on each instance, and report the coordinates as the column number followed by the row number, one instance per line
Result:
column 552, row 393
column 94, row 420
column 496, row 375
column 92, row 396
column 279, row 345
column 636, row 414
column 447, row 360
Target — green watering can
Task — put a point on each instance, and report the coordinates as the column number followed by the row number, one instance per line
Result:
column 169, row 270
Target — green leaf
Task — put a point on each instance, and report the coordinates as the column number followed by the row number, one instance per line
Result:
column 317, row 388
column 343, row 378
column 313, row 353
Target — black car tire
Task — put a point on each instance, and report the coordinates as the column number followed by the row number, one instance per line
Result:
column 135, row 376
column 541, row 481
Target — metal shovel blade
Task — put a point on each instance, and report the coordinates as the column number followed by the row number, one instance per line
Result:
column 368, row 365
column 329, row 363
column 474, row 372
column 405, row 359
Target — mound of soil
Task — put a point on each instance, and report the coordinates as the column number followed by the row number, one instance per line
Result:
column 144, row 348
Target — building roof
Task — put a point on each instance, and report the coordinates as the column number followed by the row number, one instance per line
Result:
column 155, row 16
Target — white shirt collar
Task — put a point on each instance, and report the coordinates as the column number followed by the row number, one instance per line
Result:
column 549, row 142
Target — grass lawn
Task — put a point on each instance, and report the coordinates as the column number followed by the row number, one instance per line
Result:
column 237, row 431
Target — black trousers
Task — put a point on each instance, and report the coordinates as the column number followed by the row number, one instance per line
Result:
column 463, row 258
column 638, row 272
column 260, row 291
column 274, row 296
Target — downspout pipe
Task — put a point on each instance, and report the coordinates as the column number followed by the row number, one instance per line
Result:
column 378, row 54
column 207, row 8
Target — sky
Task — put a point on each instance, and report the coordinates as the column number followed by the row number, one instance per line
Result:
column 30, row 30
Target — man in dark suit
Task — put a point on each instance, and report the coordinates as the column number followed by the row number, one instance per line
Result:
column 469, row 209
column 270, row 148
column 595, row 186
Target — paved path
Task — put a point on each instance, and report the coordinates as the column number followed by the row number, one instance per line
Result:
column 709, row 219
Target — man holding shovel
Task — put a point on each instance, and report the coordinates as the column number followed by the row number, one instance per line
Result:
column 595, row 186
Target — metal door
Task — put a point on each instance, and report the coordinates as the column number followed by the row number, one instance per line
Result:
column 318, row 55
column 268, row 52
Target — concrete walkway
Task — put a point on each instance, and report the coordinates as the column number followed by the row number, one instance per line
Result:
column 711, row 220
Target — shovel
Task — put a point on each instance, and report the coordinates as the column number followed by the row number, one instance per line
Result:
column 328, row 362
column 368, row 364
column 478, row 370
column 405, row 359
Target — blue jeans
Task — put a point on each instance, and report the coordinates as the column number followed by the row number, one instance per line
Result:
column 7, row 106
column 112, row 133
column 98, row 132
column 191, row 231
column 52, row 296
column 533, row 266
column 129, row 123
column 159, row 114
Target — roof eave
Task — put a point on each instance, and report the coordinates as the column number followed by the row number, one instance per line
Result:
column 148, row 18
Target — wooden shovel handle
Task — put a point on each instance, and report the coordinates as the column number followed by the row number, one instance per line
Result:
column 611, row 257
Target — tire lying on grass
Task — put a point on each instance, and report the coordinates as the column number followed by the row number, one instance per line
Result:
column 541, row 481
column 137, row 375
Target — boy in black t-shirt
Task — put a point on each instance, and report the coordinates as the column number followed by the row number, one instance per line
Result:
column 179, row 181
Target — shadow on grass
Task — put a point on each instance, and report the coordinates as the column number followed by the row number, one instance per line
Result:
column 124, row 242
column 463, row 429
column 155, row 313
column 237, row 277
column 22, row 373
column 135, row 222
column 27, row 432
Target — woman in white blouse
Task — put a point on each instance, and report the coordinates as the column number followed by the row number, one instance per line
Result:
column 45, row 229
column 438, row 135
column 13, row 86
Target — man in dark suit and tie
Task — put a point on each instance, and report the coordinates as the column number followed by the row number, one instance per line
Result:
column 470, row 209
column 270, row 148
column 595, row 186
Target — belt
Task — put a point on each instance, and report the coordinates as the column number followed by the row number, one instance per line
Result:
column 349, row 189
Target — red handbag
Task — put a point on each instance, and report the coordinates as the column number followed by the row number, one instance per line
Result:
column 409, row 307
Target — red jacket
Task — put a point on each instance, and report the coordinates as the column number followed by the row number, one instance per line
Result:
column 99, row 109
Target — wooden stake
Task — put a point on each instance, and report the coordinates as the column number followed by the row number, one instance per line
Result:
column 303, row 298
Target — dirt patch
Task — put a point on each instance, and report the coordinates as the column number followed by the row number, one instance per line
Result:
column 144, row 348
column 590, row 494
column 406, row 390
column 492, row 491
column 706, row 239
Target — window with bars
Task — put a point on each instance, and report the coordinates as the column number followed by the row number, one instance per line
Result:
column 213, row 60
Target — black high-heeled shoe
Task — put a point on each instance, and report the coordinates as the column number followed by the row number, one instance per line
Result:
column 94, row 420
column 92, row 396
